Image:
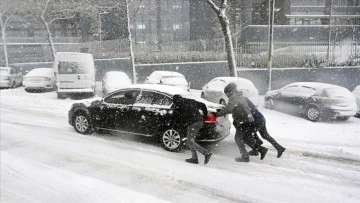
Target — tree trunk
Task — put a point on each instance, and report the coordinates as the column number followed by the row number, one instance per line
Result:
column 130, row 44
column 53, row 51
column 3, row 32
column 228, row 45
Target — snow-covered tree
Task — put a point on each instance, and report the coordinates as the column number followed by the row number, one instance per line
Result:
column 225, row 27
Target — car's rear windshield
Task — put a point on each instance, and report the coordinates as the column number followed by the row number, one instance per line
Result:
column 4, row 71
column 75, row 67
column 336, row 92
column 173, row 80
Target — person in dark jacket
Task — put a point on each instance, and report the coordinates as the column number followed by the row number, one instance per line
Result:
column 243, row 123
column 187, row 111
column 260, row 126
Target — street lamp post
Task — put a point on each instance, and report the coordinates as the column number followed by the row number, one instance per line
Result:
column 270, row 38
column 329, row 37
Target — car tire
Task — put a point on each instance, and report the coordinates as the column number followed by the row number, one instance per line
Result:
column 82, row 123
column 269, row 104
column 13, row 85
column 202, row 95
column 312, row 113
column 61, row 96
column 172, row 140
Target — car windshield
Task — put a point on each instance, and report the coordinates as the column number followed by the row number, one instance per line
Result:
column 74, row 67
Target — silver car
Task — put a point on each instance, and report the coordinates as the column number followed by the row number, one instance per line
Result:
column 214, row 90
column 10, row 77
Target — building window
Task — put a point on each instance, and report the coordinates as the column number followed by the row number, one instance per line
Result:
column 176, row 26
column 140, row 26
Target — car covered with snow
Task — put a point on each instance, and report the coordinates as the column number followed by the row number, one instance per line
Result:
column 313, row 100
column 10, row 77
column 145, row 110
column 356, row 93
column 39, row 79
column 114, row 80
column 214, row 90
column 171, row 78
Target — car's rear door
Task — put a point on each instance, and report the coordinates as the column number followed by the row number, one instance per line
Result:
column 151, row 112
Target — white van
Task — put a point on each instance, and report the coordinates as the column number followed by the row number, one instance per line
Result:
column 75, row 73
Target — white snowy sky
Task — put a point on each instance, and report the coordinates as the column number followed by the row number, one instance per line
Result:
column 43, row 159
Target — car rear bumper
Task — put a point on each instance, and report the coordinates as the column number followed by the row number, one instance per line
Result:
column 37, row 85
column 5, row 83
column 334, row 113
column 211, row 133
column 85, row 90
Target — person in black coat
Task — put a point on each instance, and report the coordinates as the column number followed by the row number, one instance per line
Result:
column 260, row 126
column 187, row 111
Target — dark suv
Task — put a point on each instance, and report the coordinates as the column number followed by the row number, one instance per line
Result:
column 144, row 110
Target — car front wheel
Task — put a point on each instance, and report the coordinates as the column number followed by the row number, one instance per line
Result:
column 172, row 140
column 313, row 113
column 82, row 123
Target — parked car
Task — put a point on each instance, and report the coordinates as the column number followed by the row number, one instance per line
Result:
column 40, row 79
column 145, row 110
column 356, row 93
column 313, row 100
column 114, row 80
column 10, row 77
column 168, row 78
column 214, row 90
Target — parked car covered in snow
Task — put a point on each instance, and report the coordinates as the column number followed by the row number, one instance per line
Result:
column 214, row 90
column 114, row 80
column 40, row 79
column 356, row 93
column 313, row 100
column 10, row 77
column 145, row 110
column 168, row 78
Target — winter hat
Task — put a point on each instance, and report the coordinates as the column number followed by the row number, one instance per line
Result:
column 176, row 97
column 231, row 87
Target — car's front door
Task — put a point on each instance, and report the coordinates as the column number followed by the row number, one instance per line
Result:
column 151, row 112
column 116, row 109
column 287, row 98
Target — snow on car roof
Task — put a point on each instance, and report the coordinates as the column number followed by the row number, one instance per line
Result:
column 233, row 79
column 316, row 85
column 116, row 74
column 40, row 72
column 4, row 67
column 171, row 90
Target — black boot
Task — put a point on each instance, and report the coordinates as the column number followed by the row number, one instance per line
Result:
column 253, row 153
column 207, row 158
column 280, row 150
column 242, row 159
column 263, row 151
column 192, row 160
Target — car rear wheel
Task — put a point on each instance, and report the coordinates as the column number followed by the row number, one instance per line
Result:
column 82, row 123
column 343, row 118
column 13, row 85
column 172, row 140
column 269, row 104
column 313, row 113
column 202, row 95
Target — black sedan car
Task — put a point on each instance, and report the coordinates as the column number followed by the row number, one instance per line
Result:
column 313, row 100
column 145, row 110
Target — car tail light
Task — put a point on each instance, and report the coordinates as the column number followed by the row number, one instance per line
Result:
column 327, row 102
column 210, row 119
column 7, row 78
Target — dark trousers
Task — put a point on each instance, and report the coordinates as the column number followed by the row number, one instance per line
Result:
column 245, row 133
column 192, row 132
column 260, row 125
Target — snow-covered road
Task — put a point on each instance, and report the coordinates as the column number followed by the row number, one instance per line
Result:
column 44, row 160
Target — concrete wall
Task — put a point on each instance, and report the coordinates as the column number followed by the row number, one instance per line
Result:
column 199, row 73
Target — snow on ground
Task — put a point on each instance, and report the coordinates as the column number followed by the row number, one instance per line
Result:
column 43, row 159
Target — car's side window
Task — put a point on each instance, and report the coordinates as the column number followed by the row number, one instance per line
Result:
column 291, row 90
column 154, row 98
column 305, row 91
column 217, row 83
column 12, row 71
column 124, row 97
